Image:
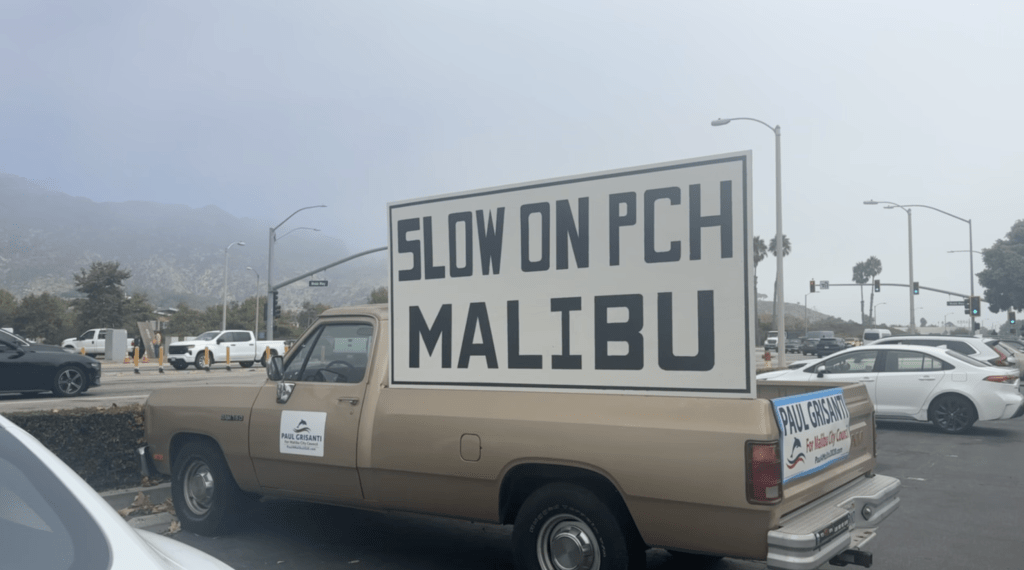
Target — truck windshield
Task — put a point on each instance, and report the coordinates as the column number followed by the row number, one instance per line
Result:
column 336, row 352
column 208, row 335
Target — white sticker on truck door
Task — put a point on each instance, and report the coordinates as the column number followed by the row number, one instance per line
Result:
column 302, row 433
column 815, row 431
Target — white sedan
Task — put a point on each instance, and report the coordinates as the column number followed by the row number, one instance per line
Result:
column 50, row 518
column 921, row 383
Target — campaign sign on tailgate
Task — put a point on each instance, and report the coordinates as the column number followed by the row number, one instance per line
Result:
column 815, row 431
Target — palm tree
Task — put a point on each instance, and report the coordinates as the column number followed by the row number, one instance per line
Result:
column 860, row 277
column 760, row 252
column 872, row 268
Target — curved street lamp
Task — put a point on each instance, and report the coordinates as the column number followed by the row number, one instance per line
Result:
column 910, row 254
column 780, row 312
column 224, row 315
column 270, row 269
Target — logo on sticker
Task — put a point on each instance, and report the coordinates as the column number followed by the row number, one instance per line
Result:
column 302, row 427
column 794, row 457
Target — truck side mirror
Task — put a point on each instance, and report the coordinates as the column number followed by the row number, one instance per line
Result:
column 275, row 369
column 821, row 371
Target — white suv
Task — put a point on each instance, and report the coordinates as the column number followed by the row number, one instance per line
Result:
column 976, row 348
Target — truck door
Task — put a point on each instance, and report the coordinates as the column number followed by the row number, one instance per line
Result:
column 305, row 442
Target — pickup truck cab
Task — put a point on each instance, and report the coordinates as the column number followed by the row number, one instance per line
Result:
column 93, row 341
column 217, row 346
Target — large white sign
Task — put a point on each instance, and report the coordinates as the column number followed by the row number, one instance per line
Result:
column 636, row 280
column 815, row 431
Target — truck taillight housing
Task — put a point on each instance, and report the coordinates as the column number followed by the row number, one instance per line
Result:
column 764, row 473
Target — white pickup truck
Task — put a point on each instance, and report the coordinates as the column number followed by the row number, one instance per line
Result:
column 243, row 346
column 92, row 340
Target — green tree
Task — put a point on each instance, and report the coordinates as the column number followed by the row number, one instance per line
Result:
column 308, row 313
column 867, row 270
column 106, row 304
column 42, row 316
column 380, row 294
column 860, row 277
column 760, row 252
column 8, row 307
column 137, row 308
column 1004, row 271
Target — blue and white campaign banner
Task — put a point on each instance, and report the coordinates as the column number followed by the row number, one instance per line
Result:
column 815, row 431
column 637, row 280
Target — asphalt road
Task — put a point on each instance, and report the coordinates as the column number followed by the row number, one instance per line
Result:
column 961, row 502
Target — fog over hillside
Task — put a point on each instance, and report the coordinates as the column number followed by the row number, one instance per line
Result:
column 175, row 253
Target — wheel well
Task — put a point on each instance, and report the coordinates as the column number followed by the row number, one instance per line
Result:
column 931, row 406
column 522, row 480
column 180, row 439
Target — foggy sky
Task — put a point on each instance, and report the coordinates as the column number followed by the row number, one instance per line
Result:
column 260, row 108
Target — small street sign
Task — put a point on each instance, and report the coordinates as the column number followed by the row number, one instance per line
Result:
column 956, row 303
column 824, row 285
column 317, row 282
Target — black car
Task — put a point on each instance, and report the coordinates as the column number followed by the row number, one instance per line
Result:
column 827, row 346
column 27, row 367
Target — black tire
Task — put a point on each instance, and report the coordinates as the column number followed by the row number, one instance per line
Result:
column 580, row 525
column 246, row 364
column 952, row 414
column 179, row 364
column 68, row 381
column 199, row 361
column 206, row 498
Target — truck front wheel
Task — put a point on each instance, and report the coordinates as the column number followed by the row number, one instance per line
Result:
column 566, row 526
column 179, row 364
column 206, row 498
column 199, row 361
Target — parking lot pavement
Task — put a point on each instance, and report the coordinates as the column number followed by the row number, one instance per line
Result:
column 143, row 507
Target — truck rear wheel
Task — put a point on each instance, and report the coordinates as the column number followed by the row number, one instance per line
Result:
column 246, row 364
column 206, row 498
column 562, row 526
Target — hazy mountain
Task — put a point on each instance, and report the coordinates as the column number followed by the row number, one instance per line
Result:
column 175, row 253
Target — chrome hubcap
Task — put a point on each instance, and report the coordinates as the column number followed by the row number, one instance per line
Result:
column 198, row 488
column 567, row 543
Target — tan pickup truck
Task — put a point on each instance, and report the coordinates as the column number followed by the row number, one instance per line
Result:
column 588, row 480
column 571, row 357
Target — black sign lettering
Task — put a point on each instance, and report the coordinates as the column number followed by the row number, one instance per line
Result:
column 442, row 328
column 527, row 210
column 705, row 358
column 723, row 219
column 490, row 240
column 431, row 271
column 406, row 245
column 650, row 197
column 566, row 231
column 466, row 219
column 617, row 219
column 566, row 361
column 477, row 318
column 628, row 332
column 516, row 360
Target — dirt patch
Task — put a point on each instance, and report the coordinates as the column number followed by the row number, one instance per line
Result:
column 97, row 443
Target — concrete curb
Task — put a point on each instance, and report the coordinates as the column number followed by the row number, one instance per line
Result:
column 123, row 498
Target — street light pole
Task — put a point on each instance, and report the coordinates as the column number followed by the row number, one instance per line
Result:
column 805, row 312
column 224, row 316
column 970, row 241
column 270, row 270
column 256, row 329
column 874, row 311
column 910, row 255
column 780, row 313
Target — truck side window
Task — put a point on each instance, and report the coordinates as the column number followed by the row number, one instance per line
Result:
column 335, row 353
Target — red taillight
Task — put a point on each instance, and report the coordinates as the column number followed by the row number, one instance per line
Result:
column 1004, row 379
column 764, row 473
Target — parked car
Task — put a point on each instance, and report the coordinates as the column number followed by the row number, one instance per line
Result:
column 50, row 518
column 827, row 346
column 810, row 341
column 28, row 368
column 792, row 344
column 976, row 348
column 921, row 383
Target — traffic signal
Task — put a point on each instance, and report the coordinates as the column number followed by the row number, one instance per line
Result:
column 917, row 290
column 812, row 285
column 878, row 286
column 977, row 326
column 1013, row 318
column 277, row 308
column 975, row 306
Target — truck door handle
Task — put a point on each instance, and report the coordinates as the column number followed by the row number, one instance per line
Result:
column 352, row 401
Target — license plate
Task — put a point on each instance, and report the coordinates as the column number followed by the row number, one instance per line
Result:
column 831, row 531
